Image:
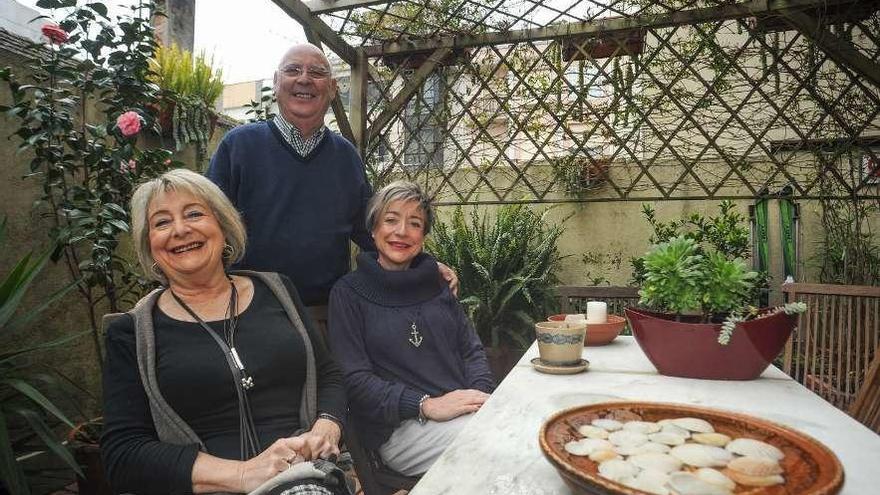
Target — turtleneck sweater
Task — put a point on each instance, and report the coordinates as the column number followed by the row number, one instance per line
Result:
column 372, row 314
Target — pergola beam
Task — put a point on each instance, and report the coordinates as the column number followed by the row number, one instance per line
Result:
column 841, row 51
column 328, row 6
column 407, row 91
column 298, row 10
column 600, row 26
column 335, row 103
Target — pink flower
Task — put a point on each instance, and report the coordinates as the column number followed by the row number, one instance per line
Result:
column 127, row 166
column 55, row 34
column 167, row 162
column 129, row 123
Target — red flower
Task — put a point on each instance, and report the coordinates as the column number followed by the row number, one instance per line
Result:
column 129, row 123
column 55, row 34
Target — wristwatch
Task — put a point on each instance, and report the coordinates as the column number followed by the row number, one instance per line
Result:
column 422, row 418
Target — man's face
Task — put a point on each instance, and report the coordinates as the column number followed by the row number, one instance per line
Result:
column 304, row 87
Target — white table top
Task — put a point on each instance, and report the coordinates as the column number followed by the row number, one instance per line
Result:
column 498, row 453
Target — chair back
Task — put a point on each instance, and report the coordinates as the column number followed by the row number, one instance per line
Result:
column 834, row 344
column 573, row 299
column 866, row 407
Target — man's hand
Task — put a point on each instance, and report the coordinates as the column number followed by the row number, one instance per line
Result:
column 454, row 404
column 449, row 276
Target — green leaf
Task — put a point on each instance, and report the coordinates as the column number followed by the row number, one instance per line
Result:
column 42, row 430
column 10, row 470
column 35, row 395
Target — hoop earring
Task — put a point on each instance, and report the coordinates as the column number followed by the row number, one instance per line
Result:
column 156, row 271
column 228, row 251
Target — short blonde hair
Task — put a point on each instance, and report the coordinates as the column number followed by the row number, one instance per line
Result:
column 399, row 191
column 189, row 182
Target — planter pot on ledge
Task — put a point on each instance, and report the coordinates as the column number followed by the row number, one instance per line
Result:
column 691, row 350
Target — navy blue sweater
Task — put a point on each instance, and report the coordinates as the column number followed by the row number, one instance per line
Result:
column 300, row 212
column 371, row 314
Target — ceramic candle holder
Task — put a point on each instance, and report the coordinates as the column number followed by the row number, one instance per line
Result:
column 560, row 343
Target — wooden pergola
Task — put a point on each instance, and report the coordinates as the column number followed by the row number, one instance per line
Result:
column 614, row 100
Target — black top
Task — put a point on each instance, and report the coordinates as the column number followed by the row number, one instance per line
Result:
column 372, row 311
column 196, row 381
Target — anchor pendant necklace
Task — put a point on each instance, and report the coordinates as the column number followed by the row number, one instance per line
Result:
column 415, row 337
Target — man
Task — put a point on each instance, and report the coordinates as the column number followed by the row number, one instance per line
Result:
column 300, row 187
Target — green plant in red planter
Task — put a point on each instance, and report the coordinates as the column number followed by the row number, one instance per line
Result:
column 695, row 318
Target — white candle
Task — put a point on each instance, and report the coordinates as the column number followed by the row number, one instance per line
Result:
column 597, row 312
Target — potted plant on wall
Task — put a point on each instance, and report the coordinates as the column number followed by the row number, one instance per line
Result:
column 695, row 319
column 507, row 270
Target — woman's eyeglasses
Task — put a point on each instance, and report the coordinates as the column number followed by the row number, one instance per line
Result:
column 313, row 71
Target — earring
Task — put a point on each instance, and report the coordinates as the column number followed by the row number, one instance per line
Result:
column 156, row 271
column 228, row 251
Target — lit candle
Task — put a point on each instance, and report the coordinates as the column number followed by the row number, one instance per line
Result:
column 597, row 312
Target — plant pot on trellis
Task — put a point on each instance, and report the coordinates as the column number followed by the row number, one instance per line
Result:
column 682, row 346
column 185, row 120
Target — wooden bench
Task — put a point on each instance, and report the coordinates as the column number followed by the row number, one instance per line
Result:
column 573, row 299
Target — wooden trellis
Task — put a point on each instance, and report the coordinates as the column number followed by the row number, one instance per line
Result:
column 586, row 100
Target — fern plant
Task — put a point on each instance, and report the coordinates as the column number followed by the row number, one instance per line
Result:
column 507, row 268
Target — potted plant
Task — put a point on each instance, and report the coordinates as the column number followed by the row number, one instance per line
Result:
column 695, row 319
column 189, row 88
column 507, row 271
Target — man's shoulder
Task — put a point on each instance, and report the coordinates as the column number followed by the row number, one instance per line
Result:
column 247, row 132
column 341, row 143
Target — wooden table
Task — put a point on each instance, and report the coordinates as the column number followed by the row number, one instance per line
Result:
column 497, row 453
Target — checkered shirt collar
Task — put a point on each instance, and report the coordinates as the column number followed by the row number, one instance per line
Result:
column 294, row 137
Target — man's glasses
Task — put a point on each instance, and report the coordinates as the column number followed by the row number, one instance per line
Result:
column 313, row 71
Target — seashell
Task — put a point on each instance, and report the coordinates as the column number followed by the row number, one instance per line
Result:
column 744, row 479
column 629, row 450
column 750, row 447
column 677, row 430
column 627, row 438
column 591, row 431
column 689, row 484
column 697, row 455
column 651, row 482
column 653, row 461
column 755, row 466
column 715, row 477
column 603, row 455
column 607, row 424
column 575, row 447
column 653, row 447
column 716, row 439
column 616, row 469
column 641, row 427
column 694, row 424
column 666, row 438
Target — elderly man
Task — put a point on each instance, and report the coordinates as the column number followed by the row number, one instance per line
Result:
column 301, row 188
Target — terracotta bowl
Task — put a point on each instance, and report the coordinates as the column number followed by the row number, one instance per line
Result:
column 600, row 333
column 809, row 466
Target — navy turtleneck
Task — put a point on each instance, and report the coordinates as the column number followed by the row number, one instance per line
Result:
column 372, row 312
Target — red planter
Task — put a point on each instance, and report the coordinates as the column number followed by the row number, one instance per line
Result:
column 691, row 350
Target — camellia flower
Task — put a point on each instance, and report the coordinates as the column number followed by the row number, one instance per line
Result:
column 129, row 123
column 54, row 33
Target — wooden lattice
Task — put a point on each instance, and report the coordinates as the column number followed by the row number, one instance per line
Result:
column 576, row 100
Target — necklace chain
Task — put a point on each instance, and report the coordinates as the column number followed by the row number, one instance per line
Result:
column 230, row 323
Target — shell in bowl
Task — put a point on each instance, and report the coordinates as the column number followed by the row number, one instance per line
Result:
column 599, row 333
column 807, row 465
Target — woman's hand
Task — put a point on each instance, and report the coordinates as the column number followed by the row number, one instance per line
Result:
column 449, row 276
column 278, row 457
column 453, row 404
column 322, row 441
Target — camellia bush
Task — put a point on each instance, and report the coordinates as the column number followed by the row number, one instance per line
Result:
column 88, row 161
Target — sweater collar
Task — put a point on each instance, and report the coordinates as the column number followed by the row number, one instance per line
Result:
column 415, row 285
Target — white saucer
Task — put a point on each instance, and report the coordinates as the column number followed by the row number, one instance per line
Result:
column 560, row 370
